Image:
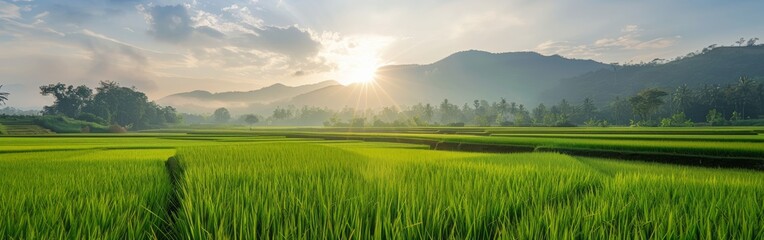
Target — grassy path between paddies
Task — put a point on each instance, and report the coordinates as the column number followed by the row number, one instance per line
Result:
column 383, row 191
column 84, row 194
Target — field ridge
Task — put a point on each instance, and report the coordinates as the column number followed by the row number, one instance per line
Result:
column 744, row 162
column 175, row 172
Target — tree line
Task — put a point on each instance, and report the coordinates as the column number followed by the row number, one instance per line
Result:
column 110, row 104
column 683, row 106
column 739, row 103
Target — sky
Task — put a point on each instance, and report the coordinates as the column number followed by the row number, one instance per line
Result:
column 170, row 46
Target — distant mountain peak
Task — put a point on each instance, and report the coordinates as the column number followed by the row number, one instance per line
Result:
column 203, row 101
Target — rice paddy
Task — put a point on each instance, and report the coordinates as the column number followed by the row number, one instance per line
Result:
column 249, row 185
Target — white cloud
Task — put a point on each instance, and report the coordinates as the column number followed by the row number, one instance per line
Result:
column 631, row 28
column 243, row 15
column 568, row 49
column 631, row 39
column 9, row 10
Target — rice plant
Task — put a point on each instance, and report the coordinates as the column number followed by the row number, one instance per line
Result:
column 93, row 194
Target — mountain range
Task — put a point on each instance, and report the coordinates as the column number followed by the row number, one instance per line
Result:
column 200, row 101
column 524, row 77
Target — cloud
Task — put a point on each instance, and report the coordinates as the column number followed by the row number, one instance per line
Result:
column 76, row 13
column 39, row 54
column 210, row 32
column 568, row 49
column 290, row 41
column 63, row 14
column 9, row 10
column 631, row 39
column 170, row 23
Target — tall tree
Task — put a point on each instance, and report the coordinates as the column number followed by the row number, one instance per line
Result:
column 429, row 111
column 121, row 105
column 3, row 96
column 646, row 102
column 588, row 110
column 70, row 100
column 221, row 115
column 744, row 93
column 740, row 42
column 681, row 99
column 620, row 111
column 448, row 112
column 251, row 119
column 538, row 114
column 752, row 42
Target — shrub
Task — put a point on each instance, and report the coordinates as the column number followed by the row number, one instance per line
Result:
column 89, row 117
column 459, row 124
column 61, row 124
column 115, row 128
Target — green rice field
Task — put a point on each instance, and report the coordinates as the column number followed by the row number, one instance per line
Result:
column 271, row 183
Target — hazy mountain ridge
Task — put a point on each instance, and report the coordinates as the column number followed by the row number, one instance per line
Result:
column 203, row 101
column 460, row 77
column 523, row 77
column 722, row 65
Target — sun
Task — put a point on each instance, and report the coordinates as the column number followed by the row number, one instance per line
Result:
column 364, row 71
column 355, row 59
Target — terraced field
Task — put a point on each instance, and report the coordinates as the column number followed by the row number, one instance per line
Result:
column 21, row 127
column 240, row 184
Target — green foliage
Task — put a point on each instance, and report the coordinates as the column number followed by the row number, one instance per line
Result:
column 112, row 104
column 221, row 115
column 70, row 100
column 89, row 117
column 742, row 100
column 358, row 122
column 736, row 116
column 596, row 123
column 3, row 96
column 449, row 113
column 646, row 103
column 714, row 118
column 250, row 119
column 62, row 124
column 677, row 120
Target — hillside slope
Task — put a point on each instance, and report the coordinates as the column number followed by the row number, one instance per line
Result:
column 202, row 101
column 723, row 65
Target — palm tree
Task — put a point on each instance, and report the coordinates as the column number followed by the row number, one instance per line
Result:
column 744, row 91
column 681, row 98
column 3, row 96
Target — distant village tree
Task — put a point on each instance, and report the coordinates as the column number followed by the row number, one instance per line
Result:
column 221, row 115
column 740, row 42
column 251, row 119
column 752, row 42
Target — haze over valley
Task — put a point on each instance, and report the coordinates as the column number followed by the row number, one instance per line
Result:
column 169, row 47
